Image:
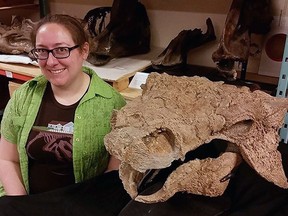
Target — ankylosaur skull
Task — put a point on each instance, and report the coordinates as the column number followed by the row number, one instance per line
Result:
column 176, row 115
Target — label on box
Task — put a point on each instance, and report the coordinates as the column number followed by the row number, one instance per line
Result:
column 9, row 74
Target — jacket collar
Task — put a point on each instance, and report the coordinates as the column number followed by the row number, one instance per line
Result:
column 97, row 85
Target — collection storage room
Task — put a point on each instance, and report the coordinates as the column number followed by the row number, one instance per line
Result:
column 143, row 107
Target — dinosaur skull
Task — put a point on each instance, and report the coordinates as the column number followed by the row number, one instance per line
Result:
column 176, row 115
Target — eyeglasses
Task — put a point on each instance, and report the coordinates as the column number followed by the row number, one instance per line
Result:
column 58, row 52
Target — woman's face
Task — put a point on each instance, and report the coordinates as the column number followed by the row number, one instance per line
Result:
column 60, row 72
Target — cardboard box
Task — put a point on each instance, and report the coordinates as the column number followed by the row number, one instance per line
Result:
column 12, row 87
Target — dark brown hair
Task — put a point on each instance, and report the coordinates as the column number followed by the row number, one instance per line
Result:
column 72, row 24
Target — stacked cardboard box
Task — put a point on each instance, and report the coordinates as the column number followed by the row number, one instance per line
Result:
column 13, row 86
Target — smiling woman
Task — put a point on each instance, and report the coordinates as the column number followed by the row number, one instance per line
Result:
column 54, row 125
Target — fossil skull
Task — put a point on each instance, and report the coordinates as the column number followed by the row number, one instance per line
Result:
column 176, row 115
column 15, row 39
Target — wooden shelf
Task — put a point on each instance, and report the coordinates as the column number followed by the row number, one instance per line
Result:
column 24, row 73
column 19, row 6
column 261, row 78
column 131, row 93
column 20, row 72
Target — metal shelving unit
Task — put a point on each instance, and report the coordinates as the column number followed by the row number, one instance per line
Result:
column 44, row 9
column 282, row 90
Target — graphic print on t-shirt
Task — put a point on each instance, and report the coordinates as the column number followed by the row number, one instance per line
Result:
column 50, row 145
column 55, row 140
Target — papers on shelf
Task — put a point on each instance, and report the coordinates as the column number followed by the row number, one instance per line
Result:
column 22, row 59
column 120, row 68
column 138, row 79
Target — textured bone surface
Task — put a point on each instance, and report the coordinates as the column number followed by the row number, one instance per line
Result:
column 15, row 39
column 176, row 115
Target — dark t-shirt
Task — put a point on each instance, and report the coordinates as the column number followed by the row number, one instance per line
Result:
column 49, row 145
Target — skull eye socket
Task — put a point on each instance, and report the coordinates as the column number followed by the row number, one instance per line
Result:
column 160, row 140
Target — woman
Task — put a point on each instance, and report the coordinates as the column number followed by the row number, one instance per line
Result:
column 53, row 127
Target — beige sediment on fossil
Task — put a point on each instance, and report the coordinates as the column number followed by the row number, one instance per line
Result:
column 176, row 115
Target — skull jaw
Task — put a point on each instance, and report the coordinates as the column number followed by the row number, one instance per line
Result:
column 208, row 177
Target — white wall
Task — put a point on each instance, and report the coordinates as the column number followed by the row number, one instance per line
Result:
column 164, row 25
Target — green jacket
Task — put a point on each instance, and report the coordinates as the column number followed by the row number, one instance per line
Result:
column 91, row 124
